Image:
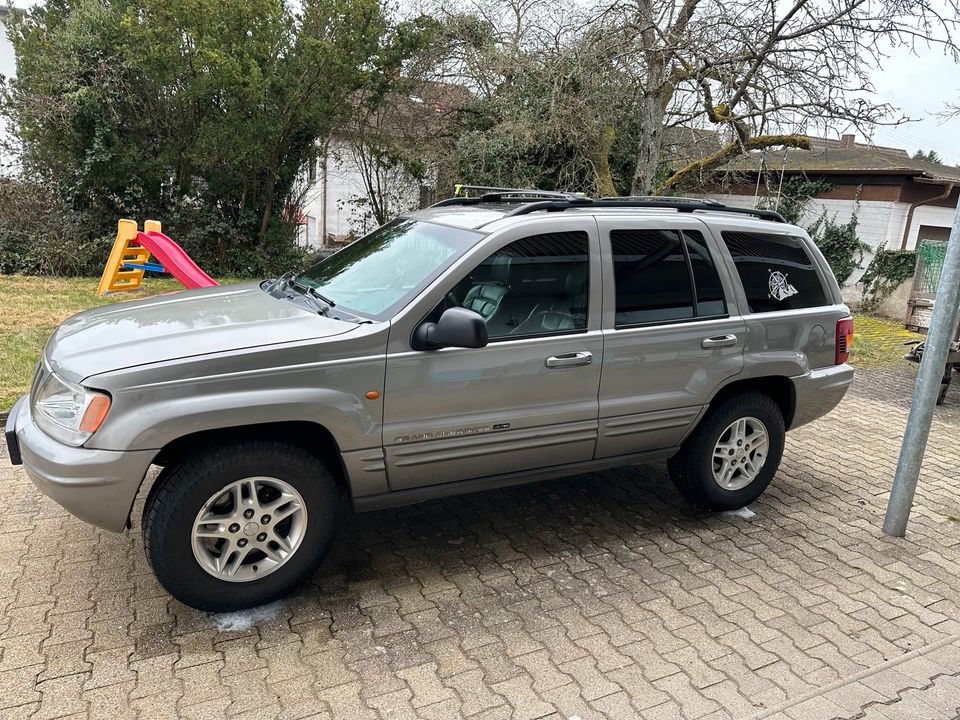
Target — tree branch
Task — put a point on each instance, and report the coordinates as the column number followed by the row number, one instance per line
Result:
column 730, row 151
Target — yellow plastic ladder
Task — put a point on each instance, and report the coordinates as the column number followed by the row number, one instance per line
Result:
column 116, row 277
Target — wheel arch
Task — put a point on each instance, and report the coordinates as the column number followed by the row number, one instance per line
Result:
column 310, row 436
column 780, row 389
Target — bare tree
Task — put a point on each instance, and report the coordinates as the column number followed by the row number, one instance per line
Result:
column 761, row 72
column 549, row 92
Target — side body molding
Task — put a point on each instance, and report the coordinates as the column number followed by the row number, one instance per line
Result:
column 323, row 382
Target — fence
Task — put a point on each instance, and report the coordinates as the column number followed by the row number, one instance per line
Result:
column 930, row 256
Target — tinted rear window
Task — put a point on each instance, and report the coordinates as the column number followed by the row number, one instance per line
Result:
column 651, row 277
column 776, row 271
column 710, row 299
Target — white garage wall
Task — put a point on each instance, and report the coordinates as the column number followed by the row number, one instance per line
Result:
column 344, row 187
column 929, row 215
column 877, row 223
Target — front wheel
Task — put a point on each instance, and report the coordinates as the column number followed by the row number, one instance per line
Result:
column 239, row 525
column 733, row 454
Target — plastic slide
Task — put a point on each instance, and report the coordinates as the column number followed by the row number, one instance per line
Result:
column 174, row 260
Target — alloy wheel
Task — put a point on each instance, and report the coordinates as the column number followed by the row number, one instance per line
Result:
column 740, row 453
column 249, row 529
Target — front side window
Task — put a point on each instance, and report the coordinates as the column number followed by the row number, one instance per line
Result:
column 379, row 273
column 776, row 271
column 534, row 286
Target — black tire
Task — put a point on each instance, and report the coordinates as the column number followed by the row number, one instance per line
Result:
column 183, row 488
column 692, row 468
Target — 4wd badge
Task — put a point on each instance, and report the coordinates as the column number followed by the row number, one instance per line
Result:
column 780, row 288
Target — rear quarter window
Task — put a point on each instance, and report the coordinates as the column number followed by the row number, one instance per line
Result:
column 776, row 271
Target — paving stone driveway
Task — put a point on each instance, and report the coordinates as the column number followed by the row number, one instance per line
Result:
column 591, row 597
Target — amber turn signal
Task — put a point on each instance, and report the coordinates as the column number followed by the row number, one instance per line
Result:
column 95, row 413
column 373, row 394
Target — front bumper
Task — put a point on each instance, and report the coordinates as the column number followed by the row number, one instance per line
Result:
column 98, row 486
column 819, row 391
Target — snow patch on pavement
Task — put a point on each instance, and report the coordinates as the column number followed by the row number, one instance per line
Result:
column 744, row 512
column 244, row 619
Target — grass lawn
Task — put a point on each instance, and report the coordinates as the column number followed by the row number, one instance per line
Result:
column 878, row 342
column 32, row 307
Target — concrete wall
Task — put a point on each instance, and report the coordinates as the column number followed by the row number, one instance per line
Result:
column 929, row 215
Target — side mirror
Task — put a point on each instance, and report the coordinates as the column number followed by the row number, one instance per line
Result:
column 457, row 327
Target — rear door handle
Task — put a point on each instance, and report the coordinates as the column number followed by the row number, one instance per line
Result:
column 570, row 359
column 718, row 341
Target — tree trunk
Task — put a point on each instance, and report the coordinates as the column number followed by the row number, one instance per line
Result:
column 599, row 156
column 265, row 218
column 650, row 144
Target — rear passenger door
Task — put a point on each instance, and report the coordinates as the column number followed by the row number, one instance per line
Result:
column 672, row 331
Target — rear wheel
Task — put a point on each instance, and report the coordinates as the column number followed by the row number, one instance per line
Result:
column 732, row 455
column 240, row 525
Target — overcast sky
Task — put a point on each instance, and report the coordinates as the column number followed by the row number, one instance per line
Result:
column 919, row 85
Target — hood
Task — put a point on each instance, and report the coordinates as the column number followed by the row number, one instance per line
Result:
column 179, row 325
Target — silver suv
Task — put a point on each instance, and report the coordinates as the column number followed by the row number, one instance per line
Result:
column 479, row 343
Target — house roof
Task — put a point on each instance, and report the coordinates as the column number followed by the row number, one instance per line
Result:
column 846, row 157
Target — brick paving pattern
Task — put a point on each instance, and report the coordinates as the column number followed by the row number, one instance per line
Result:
column 598, row 596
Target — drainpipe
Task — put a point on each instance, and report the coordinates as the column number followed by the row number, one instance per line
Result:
column 906, row 230
column 323, row 198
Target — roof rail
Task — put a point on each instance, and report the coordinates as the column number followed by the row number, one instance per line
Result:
column 493, row 190
column 664, row 199
column 531, row 200
column 679, row 204
column 499, row 194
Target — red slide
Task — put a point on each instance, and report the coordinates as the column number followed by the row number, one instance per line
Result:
column 175, row 261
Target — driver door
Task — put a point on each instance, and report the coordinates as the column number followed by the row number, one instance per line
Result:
column 528, row 399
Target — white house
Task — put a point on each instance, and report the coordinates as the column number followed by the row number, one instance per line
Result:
column 8, row 63
column 8, row 69
column 335, row 205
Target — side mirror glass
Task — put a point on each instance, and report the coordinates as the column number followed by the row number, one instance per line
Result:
column 457, row 327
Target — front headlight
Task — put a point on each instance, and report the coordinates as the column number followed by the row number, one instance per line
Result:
column 68, row 412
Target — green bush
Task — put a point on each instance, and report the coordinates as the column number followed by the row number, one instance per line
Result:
column 840, row 245
column 202, row 114
column 41, row 235
column 886, row 272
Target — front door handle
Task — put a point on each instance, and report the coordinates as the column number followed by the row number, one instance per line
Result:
column 570, row 359
column 718, row 341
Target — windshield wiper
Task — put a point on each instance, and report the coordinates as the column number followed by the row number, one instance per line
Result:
column 315, row 293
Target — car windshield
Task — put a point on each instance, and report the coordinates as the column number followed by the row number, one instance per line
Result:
column 380, row 272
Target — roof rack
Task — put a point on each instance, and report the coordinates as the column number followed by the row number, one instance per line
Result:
column 504, row 195
column 682, row 205
column 663, row 199
column 530, row 201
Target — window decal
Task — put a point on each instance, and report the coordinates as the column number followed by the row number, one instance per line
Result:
column 780, row 287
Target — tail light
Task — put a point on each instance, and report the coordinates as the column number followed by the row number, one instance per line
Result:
column 844, row 339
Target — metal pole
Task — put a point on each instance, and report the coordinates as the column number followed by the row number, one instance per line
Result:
column 943, row 324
